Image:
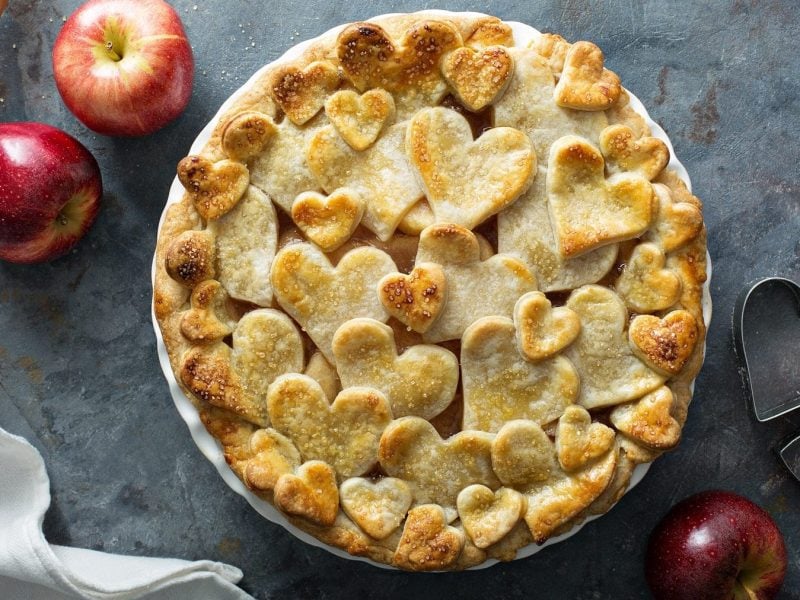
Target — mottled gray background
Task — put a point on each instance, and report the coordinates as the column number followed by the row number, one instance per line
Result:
column 78, row 370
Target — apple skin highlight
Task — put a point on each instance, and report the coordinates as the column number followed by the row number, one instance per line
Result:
column 50, row 190
column 716, row 545
column 124, row 67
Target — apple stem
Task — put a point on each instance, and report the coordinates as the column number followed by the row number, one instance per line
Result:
column 111, row 52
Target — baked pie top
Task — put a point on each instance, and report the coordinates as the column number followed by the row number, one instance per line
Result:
column 435, row 294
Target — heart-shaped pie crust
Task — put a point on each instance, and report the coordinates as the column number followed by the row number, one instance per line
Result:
column 478, row 77
column 379, row 507
column 359, row 119
column 488, row 516
column 645, row 285
column 328, row 221
column 579, row 441
column 584, row 83
column 273, row 456
column 214, row 188
column 677, row 223
column 646, row 156
column 322, row 297
column 665, row 344
column 467, row 181
column 208, row 320
column 415, row 299
column 428, row 543
column 421, row 381
column 311, row 493
column 191, row 258
column 301, row 93
column 649, row 420
column 344, row 434
column 247, row 135
column 542, row 330
column 588, row 210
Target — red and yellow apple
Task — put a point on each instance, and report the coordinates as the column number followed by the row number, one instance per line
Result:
column 716, row 545
column 124, row 67
column 50, row 189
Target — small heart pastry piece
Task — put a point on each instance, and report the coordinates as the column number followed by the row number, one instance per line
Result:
column 274, row 455
column 428, row 543
column 488, row 516
column 301, row 93
column 522, row 454
column 421, row 381
column 214, row 188
column 209, row 319
column 579, row 441
column 584, row 83
column 677, row 223
column 328, row 221
column 649, row 421
column 664, row 344
column 417, row 298
column 553, row 48
column 311, row 493
column 645, row 285
column 191, row 257
column 344, row 433
column 467, row 180
column 478, row 77
column 247, row 135
column 543, row 331
column 378, row 508
column 360, row 119
column 587, row 210
column 646, row 156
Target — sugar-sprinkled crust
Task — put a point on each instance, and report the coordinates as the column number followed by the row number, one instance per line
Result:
column 436, row 295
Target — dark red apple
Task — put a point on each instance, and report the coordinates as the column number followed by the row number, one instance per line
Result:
column 124, row 67
column 716, row 545
column 50, row 188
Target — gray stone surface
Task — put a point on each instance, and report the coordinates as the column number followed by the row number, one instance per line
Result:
column 78, row 370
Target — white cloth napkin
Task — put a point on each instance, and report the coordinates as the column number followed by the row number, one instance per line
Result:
column 32, row 569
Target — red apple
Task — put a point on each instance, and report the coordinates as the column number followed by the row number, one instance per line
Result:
column 50, row 189
column 124, row 67
column 716, row 545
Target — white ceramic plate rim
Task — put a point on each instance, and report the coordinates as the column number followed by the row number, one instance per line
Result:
column 212, row 449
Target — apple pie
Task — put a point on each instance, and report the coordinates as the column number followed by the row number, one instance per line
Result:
column 435, row 287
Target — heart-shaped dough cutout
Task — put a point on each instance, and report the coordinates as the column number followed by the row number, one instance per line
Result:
column 649, row 421
column 328, row 221
column 542, row 330
column 488, row 516
column 247, row 135
column 266, row 344
column 301, row 93
column 344, row 434
column 665, row 344
column 421, row 381
column 478, row 77
column 436, row 469
column 458, row 251
column 677, row 223
column 584, row 83
column 465, row 180
column 645, row 285
column 579, row 441
column 214, row 188
column 322, row 297
column 522, row 454
column 646, row 156
column 416, row 299
column 311, row 493
column 500, row 384
column 208, row 320
column 553, row 48
column 246, row 242
column 360, row 119
column 586, row 209
column 380, row 174
column 610, row 373
column 379, row 507
column 428, row 543
column 273, row 455
column 490, row 31
column 191, row 258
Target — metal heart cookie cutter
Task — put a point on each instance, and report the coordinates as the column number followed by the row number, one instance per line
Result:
column 766, row 326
